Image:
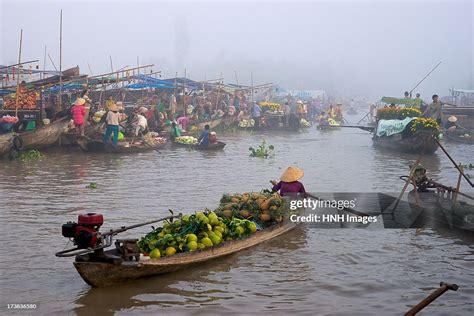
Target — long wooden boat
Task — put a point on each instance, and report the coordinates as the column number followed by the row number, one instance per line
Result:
column 200, row 126
column 103, row 274
column 440, row 211
column 459, row 138
column 70, row 138
column 45, row 136
column 420, row 143
column 97, row 146
column 6, row 142
column 214, row 146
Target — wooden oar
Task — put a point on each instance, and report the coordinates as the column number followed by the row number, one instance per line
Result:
column 412, row 170
column 365, row 128
column 443, row 287
column 146, row 144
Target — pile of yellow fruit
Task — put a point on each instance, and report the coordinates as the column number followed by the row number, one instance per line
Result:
column 266, row 207
column 270, row 106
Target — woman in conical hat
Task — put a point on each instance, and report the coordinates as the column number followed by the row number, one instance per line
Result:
column 289, row 184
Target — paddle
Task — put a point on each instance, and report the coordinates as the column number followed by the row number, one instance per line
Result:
column 364, row 128
column 444, row 287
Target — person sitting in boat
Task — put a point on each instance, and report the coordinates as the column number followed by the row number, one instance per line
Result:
column 203, row 140
column 289, row 184
column 175, row 132
column 113, row 119
column 78, row 113
column 212, row 137
column 141, row 124
column 422, row 182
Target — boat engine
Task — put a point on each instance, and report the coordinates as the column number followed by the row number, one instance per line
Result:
column 85, row 233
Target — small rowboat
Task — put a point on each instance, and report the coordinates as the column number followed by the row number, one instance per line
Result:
column 103, row 274
column 97, row 146
column 459, row 138
column 213, row 146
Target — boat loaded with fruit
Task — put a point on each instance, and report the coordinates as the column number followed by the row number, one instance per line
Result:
column 239, row 222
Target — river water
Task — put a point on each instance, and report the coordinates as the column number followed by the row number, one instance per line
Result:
column 307, row 271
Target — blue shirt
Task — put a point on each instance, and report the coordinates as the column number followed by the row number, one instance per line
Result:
column 256, row 110
column 203, row 139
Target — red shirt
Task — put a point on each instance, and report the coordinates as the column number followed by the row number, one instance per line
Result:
column 289, row 188
column 78, row 113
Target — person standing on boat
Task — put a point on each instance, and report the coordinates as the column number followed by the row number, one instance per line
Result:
column 289, row 184
column 256, row 114
column 419, row 103
column 112, row 120
column 433, row 110
column 78, row 113
column 203, row 140
column 175, row 132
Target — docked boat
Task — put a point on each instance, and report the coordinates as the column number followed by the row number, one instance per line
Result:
column 97, row 146
column 213, row 146
column 419, row 143
column 43, row 137
column 6, row 143
column 70, row 138
column 104, row 273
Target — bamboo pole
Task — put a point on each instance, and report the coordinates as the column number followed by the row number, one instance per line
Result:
column 18, row 75
column 111, row 65
column 44, row 62
column 60, row 58
column 458, row 185
column 236, row 79
column 251, row 83
column 184, row 92
column 22, row 63
column 52, row 62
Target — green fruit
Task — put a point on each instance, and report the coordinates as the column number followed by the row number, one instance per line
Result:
column 218, row 233
column 252, row 227
column 192, row 245
column 155, row 254
column 204, row 220
column 170, row 251
column 206, row 242
column 177, row 223
column 200, row 214
column 185, row 218
column 202, row 235
column 191, row 237
column 209, row 227
column 167, row 236
column 201, row 245
column 219, row 228
column 213, row 221
column 239, row 230
column 215, row 239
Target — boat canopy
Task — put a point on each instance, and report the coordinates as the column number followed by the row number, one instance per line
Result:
column 405, row 101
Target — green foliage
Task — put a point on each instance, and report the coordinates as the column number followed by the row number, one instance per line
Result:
column 262, row 151
column 92, row 185
column 31, row 155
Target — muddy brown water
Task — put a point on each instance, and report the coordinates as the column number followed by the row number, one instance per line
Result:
column 307, row 271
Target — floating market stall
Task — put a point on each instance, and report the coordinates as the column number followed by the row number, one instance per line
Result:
column 150, row 141
column 402, row 129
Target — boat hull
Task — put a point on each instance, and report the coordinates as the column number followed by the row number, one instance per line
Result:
column 422, row 143
column 97, row 146
column 456, row 138
column 5, row 143
column 100, row 274
column 214, row 146
column 45, row 136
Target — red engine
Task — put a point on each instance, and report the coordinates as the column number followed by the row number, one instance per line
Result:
column 85, row 232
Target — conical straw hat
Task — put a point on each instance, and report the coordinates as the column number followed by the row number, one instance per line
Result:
column 80, row 101
column 292, row 174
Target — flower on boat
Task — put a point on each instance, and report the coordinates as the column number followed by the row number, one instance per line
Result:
column 421, row 123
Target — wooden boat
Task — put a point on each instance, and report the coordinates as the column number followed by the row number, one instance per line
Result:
column 438, row 210
column 200, row 126
column 214, row 146
column 420, row 143
column 103, row 274
column 459, row 138
column 70, row 138
column 97, row 146
column 6, row 142
column 45, row 136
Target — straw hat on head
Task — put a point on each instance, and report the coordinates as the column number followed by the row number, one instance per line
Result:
column 453, row 119
column 292, row 174
column 80, row 101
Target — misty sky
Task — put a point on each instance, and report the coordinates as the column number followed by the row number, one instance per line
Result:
column 371, row 48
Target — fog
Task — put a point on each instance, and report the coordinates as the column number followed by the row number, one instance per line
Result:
column 371, row 48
